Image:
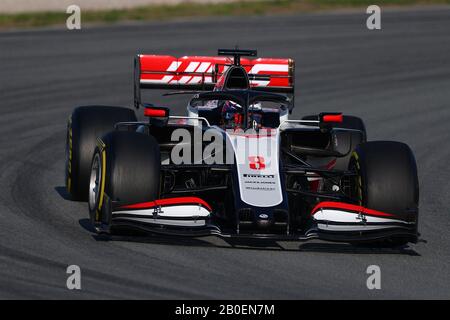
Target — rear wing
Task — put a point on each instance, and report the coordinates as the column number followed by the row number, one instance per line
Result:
column 201, row 73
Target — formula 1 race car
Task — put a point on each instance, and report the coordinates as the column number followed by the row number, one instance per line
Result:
column 236, row 165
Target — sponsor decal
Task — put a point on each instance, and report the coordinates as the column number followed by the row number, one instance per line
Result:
column 256, row 162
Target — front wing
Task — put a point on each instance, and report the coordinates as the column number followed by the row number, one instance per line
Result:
column 192, row 216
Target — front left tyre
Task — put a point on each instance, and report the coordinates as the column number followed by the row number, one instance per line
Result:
column 125, row 168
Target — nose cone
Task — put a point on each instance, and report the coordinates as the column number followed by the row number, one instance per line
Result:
column 264, row 221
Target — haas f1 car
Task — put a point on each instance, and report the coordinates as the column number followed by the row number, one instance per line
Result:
column 236, row 165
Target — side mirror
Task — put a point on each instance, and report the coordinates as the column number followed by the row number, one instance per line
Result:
column 327, row 119
column 157, row 116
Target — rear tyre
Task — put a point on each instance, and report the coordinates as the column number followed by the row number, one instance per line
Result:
column 83, row 127
column 387, row 181
column 125, row 167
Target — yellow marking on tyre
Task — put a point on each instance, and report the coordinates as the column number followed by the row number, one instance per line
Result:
column 101, row 146
column 359, row 189
column 359, row 180
column 355, row 155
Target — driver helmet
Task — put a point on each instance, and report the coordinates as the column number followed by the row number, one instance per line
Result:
column 231, row 114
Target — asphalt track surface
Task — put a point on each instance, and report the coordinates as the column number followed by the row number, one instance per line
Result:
column 397, row 79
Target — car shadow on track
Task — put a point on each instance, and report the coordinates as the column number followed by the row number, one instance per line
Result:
column 328, row 247
column 249, row 244
column 63, row 193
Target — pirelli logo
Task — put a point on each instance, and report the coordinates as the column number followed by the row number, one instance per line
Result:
column 266, row 176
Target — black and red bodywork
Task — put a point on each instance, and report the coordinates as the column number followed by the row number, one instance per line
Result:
column 314, row 193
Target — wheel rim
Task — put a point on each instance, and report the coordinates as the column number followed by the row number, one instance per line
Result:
column 94, row 182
